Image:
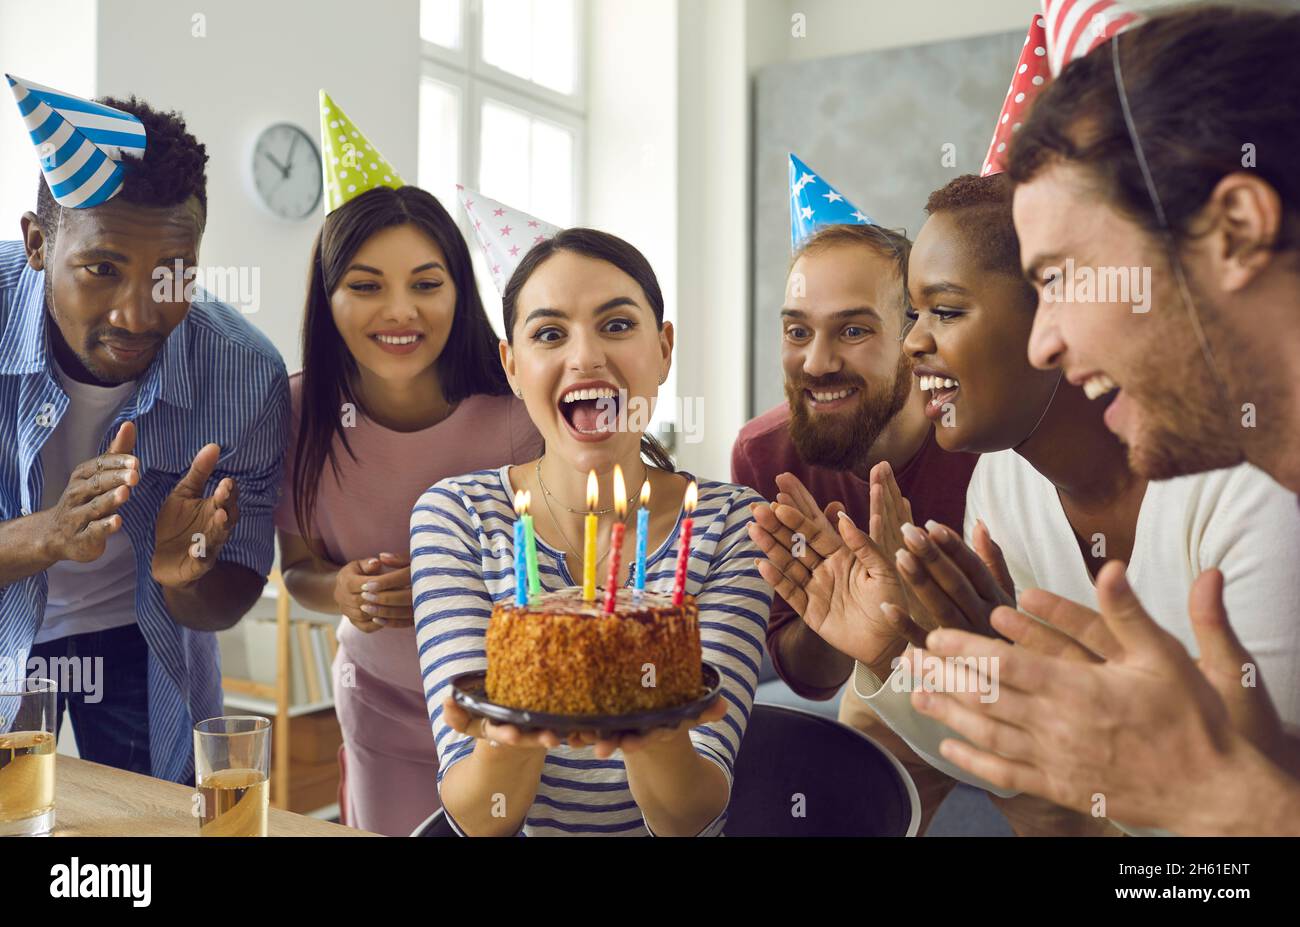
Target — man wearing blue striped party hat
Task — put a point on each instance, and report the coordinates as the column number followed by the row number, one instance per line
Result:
column 141, row 435
column 851, row 404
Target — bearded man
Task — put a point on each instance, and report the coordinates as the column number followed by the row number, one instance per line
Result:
column 852, row 406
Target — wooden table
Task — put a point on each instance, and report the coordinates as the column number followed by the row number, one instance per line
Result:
column 92, row 800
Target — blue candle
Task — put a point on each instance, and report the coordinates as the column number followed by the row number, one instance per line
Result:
column 521, row 556
column 642, row 531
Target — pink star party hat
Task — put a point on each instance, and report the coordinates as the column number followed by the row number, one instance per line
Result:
column 504, row 233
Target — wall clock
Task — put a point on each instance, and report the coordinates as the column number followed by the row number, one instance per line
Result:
column 286, row 171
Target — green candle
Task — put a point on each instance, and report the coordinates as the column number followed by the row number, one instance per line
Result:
column 530, row 547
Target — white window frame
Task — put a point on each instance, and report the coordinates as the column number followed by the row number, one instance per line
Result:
column 459, row 81
column 541, row 112
column 475, row 81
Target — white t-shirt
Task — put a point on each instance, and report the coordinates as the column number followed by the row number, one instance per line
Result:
column 1238, row 520
column 98, row 595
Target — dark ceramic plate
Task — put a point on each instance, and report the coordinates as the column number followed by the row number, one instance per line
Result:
column 469, row 692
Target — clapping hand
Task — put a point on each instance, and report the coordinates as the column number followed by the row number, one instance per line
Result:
column 955, row 586
column 1142, row 728
column 192, row 528
column 836, row 579
column 78, row 525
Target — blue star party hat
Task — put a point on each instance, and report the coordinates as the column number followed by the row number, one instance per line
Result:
column 80, row 142
column 815, row 203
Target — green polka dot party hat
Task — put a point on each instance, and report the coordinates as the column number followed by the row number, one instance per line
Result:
column 351, row 164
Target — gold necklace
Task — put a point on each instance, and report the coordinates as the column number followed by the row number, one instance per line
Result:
column 560, row 528
column 547, row 494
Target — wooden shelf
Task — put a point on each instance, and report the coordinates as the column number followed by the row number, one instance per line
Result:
column 266, row 706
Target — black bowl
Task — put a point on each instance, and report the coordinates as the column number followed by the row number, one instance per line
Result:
column 469, row 692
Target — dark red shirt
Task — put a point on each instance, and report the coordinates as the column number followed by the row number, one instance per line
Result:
column 934, row 482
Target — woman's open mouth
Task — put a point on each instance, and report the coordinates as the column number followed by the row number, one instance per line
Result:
column 942, row 390
column 591, row 413
column 404, row 342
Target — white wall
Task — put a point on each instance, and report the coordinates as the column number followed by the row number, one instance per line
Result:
column 631, row 156
column 632, row 127
column 28, row 48
column 713, row 189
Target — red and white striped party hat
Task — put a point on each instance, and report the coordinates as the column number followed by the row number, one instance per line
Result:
column 1076, row 27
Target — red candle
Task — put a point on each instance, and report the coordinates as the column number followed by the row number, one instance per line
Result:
column 684, row 552
column 615, row 539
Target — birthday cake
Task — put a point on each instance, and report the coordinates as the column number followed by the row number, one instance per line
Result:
column 560, row 654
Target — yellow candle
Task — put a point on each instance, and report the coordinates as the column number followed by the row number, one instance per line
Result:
column 589, row 541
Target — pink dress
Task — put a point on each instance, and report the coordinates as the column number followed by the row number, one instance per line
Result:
column 366, row 510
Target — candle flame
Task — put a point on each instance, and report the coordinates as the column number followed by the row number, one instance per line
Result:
column 593, row 490
column 528, row 501
column 692, row 496
column 521, row 504
column 620, row 492
column 645, row 495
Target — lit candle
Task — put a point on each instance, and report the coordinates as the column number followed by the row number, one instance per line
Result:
column 684, row 552
column 642, row 532
column 521, row 569
column 530, row 547
column 589, row 540
column 616, row 539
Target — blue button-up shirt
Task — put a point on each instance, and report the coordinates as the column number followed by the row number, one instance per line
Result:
column 216, row 379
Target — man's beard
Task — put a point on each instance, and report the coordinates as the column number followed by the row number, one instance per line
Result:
column 1184, row 424
column 843, row 441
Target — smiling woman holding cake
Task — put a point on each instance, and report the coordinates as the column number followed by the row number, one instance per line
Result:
column 583, row 315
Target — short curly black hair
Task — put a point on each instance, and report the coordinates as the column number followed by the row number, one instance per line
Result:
column 985, row 207
column 171, row 171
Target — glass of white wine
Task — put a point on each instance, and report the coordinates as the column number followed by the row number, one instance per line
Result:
column 232, row 761
column 27, row 741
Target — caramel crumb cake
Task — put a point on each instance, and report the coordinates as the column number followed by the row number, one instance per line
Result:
column 561, row 655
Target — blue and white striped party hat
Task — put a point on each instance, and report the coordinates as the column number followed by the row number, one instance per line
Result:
column 815, row 203
column 80, row 142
